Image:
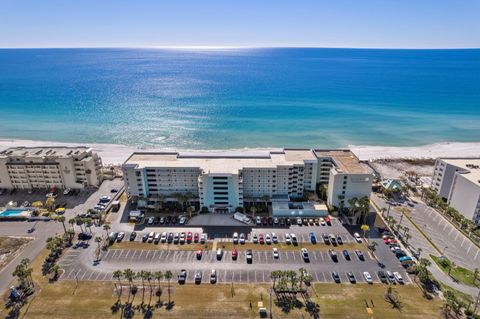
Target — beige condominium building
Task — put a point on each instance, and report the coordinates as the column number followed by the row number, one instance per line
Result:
column 345, row 175
column 224, row 181
column 48, row 167
column 457, row 180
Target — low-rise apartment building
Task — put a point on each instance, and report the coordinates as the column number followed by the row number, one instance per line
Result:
column 457, row 180
column 48, row 167
column 225, row 181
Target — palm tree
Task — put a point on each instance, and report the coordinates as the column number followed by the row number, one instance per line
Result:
column 142, row 275
column 364, row 208
column 253, row 210
column 149, row 277
column 352, row 203
column 475, row 275
column 62, row 220
column 266, row 199
column 168, row 276
column 129, row 275
column 54, row 269
column 274, row 275
column 106, row 228
column 118, row 274
column 190, row 210
column 158, row 275
column 98, row 240
column 72, row 222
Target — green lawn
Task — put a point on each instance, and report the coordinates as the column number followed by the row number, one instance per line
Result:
column 461, row 274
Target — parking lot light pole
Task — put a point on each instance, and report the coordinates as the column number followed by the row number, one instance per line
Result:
column 443, row 251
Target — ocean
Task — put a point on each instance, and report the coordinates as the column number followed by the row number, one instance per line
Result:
column 237, row 98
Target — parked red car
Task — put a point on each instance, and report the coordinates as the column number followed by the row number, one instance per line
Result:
column 234, row 254
column 260, row 239
column 195, row 238
column 328, row 221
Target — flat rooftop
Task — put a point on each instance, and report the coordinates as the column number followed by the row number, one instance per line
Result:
column 345, row 161
column 470, row 166
column 44, row 151
column 226, row 162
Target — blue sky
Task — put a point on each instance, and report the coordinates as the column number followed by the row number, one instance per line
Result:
column 317, row 23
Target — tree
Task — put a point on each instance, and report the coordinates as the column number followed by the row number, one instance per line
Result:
column 274, row 275
column 190, row 210
column 62, row 220
column 364, row 203
column 158, row 275
column 373, row 245
column 118, row 274
column 129, row 275
column 149, row 277
column 24, row 273
column 54, row 269
column 72, row 222
column 106, row 228
column 365, row 229
column 168, row 276
column 266, row 199
column 142, row 275
column 253, row 210
column 475, row 276
column 98, row 240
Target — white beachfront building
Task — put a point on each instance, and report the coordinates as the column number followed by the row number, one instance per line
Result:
column 457, row 180
column 224, row 181
column 48, row 167
column 347, row 176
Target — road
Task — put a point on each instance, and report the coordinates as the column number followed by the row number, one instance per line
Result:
column 44, row 230
column 434, row 229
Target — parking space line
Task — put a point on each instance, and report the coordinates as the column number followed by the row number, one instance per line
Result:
column 476, row 255
column 85, row 272
column 462, row 242
column 324, row 278
column 316, row 276
column 263, row 276
column 468, row 250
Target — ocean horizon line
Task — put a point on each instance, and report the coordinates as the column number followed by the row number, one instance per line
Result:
column 246, row 47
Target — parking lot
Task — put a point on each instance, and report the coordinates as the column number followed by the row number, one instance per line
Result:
column 320, row 265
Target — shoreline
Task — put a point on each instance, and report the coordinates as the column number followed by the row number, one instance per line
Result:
column 116, row 154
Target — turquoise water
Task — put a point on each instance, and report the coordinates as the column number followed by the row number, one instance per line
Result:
column 11, row 212
column 240, row 98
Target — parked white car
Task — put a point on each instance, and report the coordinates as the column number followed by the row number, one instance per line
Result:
column 164, row 237
column 357, row 237
column 235, row 238
column 288, row 239
column 275, row 253
column 398, row 277
column 274, row 238
column 368, row 277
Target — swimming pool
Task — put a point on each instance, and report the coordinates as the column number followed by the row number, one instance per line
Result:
column 11, row 212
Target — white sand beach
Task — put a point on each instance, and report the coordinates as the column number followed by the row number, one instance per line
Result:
column 114, row 154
